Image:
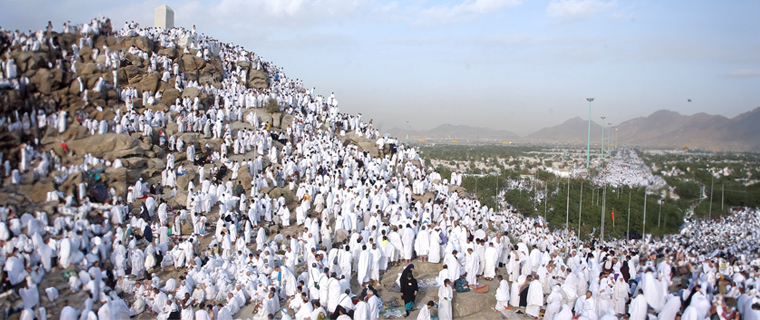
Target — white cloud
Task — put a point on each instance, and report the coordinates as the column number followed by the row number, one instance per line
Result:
column 743, row 73
column 573, row 10
column 464, row 11
column 288, row 13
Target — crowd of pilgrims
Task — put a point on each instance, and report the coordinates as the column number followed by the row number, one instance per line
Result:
column 356, row 217
column 626, row 168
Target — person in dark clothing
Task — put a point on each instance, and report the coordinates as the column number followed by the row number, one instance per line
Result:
column 144, row 213
column 687, row 302
column 409, row 288
column 524, row 292
column 148, row 234
column 409, row 269
column 624, row 270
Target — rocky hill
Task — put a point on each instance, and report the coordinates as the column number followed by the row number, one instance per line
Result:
column 666, row 129
column 49, row 82
column 574, row 131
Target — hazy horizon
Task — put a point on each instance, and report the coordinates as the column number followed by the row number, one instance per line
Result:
column 504, row 64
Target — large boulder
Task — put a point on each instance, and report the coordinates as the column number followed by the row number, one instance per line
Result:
column 38, row 193
column 148, row 83
column 141, row 43
column 47, row 81
column 85, row 54
column 191, row 93
column 89, row 68
column 135, row 60
column 130, row 72
column 290, row 197
column 168, row 52
column 169, row 96
column 108, row 146
column 27, row 62
column 192, row 63
column 65, row 40
column 117, row 178
column 257, row 79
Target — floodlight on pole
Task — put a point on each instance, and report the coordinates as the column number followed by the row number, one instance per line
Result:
column 609, row 139
column 588, row 145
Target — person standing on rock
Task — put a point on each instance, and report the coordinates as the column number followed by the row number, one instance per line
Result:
column 445, row 295
column 535, row 298
column 502, row 295
column 471, row 267
column 409, row 288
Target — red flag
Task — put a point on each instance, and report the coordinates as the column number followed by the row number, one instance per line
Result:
column 613, row 214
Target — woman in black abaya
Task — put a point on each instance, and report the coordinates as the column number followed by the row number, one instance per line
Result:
column 409, row 288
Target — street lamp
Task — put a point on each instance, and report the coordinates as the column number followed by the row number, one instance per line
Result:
column 603, row 137
column 659, row 215
column 604, row 209
column 644, row 222
column 588, row 145
column 616, row 137
column 609, row 140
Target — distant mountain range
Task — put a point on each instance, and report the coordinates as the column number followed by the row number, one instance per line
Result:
column 662, row 129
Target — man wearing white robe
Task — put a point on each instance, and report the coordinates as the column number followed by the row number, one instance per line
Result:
column 502, row 295
column 373, row 306
column 434, row 255
column 377, row 255
column 489, row 266
column 425, row 313
column 408, row 243
column 445, row 295
column 669, row 311
column 638, row 307
column 422, row 243
column 535, row 298
column 333, row 293
column 471, row 267
column 535, row 259
column 653, row 290
column 361, row 311
column 452, row 263
column 363, row 266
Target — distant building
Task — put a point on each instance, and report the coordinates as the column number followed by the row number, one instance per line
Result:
column 163, row 17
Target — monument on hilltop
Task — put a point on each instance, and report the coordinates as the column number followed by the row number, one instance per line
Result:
column 163, row 17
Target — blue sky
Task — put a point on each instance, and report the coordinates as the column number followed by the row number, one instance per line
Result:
column 518, row 65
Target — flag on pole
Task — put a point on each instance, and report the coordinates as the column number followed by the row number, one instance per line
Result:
column 613, row 214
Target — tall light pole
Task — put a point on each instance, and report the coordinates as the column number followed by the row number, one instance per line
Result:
column 567, row 217
column 602, row 149
column 721, row 197
column 580, row 210
column 712, row 183
column 616, row 137
column 609, row 139
column 659, row 215
column 604, row 208
column 628, row 228
column 588, row 145
column 644, row 224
